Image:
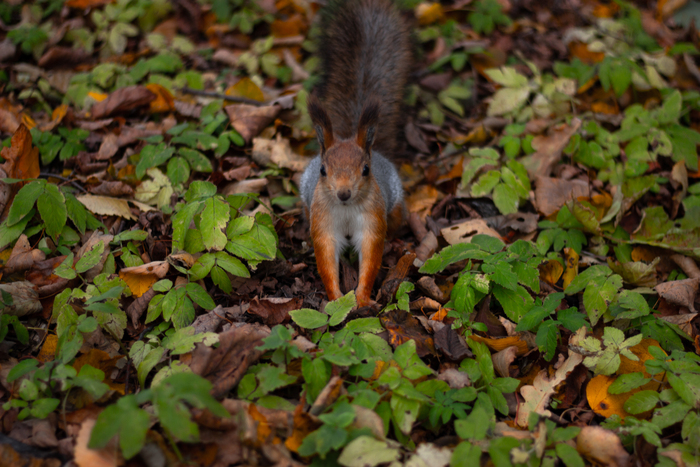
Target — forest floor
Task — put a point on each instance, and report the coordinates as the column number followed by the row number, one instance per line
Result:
column 161, row 303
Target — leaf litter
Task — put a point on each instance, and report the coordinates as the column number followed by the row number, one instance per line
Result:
column 159, row 291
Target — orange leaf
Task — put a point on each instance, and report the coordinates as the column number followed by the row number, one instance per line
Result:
column 503, row 343
column 601, row 401
column 303, row 425
column 643, row 253
column 85, row 4
column 21, row 158
column 604, row 108
column 48, row 350
column 138, row 283
column 551, row 271
column 164, row 101
column 580, row 50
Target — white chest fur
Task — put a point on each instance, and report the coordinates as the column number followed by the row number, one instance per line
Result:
column 348, row 225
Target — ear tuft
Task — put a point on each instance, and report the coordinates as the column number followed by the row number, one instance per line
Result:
column 367, row 127
column 322, row 123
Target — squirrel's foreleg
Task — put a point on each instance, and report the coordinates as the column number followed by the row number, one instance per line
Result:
column 370, row 257
column 326, row 260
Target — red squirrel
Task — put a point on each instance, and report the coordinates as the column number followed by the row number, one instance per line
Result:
column 351, row 191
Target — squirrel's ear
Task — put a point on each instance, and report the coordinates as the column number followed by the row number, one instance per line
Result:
column 322, row 123
column 367, row 127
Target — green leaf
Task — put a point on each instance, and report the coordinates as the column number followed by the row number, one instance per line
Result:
column 126, row 419
column 178, row 170
column 214, row 218
column 627, row 382
column 24, row 201
column 231, row 264
column 506, row 199
column 41, row 408
column 91, row 258
column 339, row 309
column 515, row 303
column 569, row 455
column 488, row 243
column 76, row 211
column 450, row 255
column 200, row 296
column 309, row 319
column 182, row 220
column 198, row 161
column 502, row 274
column 546, row 338
column 596, row 299
column 641, row 402
column 21, row 369
column 52, row 209
column 485, row 183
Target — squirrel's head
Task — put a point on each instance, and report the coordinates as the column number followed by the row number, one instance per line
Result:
column 346, row 164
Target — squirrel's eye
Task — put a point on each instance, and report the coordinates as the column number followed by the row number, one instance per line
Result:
column 323, row 170
column 365, row 170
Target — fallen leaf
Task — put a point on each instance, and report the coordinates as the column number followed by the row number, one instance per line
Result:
column 48, row 349
column 278, row 152
column 464, row 232
column 274, row 310
column 106, row 206
column 163, row 102
column 551, row 271
column 680, row 292
column 602, row 446
column 250, row 120
column 536, row 397
column 552, row 193
column 123, row 100
column 25, row 298
column 549, row 148
column 86, row 457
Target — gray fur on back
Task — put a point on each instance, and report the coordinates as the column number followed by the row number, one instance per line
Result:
column 383, row 170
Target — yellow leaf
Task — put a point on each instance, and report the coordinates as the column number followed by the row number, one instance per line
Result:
column 98, row 96
column 571, row 266
column 428, row 13
column 138, row 283
column 245, row 87
column 503, row 343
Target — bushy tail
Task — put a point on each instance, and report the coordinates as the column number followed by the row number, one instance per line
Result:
column 365, row 51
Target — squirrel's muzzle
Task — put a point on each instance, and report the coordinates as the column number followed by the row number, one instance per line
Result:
column 344, row 194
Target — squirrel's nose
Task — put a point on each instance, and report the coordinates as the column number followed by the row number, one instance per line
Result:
column 344, row 195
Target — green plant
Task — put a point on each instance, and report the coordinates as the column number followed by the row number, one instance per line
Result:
column 31, row 39
column 171, row 401
column 41, row 389
column 487, row 15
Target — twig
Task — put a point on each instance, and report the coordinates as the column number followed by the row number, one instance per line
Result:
column 216, row 95
column 68, row 180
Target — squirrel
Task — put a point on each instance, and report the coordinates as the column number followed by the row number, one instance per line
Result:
column 352, row 191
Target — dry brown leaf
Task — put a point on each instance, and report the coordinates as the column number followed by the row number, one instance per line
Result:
column 113, row 188
column 274, row 310
column 552, row 193
column 601, row 445
column 108, row 456
column 250, row 120
column 278, row 152
column 503, row 359
column 464, row 232
column 106, row 206
column 122, row 100
column 536, row 397
column 680, row 292
column 23, row 256
column 549, row 148
column 25, row 298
